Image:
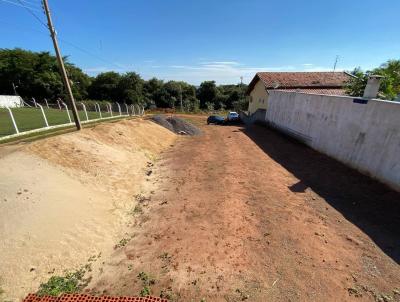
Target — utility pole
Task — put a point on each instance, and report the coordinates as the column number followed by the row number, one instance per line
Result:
column 180, row 96
column 15, row 88
column 336, row 61
column 63, row 72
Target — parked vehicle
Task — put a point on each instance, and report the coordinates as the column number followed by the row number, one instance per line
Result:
column 233, row 116
column 215, row 119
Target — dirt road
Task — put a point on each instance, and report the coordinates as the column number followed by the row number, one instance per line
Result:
column 250, row 215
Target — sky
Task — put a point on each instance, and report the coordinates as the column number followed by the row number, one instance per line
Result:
column 198, row 40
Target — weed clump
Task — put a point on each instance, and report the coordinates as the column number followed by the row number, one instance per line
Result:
column 147, row 281
column 71, row 283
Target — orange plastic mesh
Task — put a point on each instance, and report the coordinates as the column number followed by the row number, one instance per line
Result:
column 87, row 298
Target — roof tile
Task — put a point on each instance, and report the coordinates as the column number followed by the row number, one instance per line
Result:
column 303, row 79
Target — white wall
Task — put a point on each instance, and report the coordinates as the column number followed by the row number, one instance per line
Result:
column 10, row 101
column 363, row 136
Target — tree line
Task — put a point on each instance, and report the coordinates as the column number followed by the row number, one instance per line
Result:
column 35, row 74
column 390, row 84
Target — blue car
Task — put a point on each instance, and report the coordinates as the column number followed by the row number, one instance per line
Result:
column 215, row 119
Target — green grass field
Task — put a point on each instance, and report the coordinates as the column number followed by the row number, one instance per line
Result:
column 32, row 118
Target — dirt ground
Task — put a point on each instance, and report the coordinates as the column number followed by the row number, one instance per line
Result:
column 69, row 198
column 234, row 214
column 246, row 214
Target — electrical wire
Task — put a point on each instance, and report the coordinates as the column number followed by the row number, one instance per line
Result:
column 88, row 52
column 38, row 4
column 19, row 4
column 29, row 9
column 33, row 14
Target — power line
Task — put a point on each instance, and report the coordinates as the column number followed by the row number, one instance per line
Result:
column 88, row 52
column 19, row 27
column 19, row 4
column 38, row 4
column 29, row 29
column 32, row 13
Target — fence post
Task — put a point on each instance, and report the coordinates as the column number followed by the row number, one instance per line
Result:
column 13, row 120
column 119, row 109
column 58, row 103
column 66, row 108
column 142, row 110
column 44, row 115
column 138, row 110
column 34, row 102
column 133, row 110
column 98, row 106
column 47, row 103
column 110, row 106
column 127, row 109
column 84, row 109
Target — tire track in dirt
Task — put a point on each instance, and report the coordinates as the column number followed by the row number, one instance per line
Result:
column 229, row 223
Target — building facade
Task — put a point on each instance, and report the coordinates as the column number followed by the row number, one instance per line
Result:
column 327, row 83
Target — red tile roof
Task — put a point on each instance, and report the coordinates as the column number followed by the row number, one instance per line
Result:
column 328, row 91
column 301, row 80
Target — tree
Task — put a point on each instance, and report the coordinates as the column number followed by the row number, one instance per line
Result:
column 356, row 85
column 37, row 75
column 80, row 82
column 130, row 89
column 207, row 93
column 105, row 86
column 151, row 92
column 390, row 84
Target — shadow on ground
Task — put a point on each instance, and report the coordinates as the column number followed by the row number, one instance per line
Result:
column 370, row 205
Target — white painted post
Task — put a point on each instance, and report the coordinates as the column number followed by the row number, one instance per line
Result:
column 127, row 109
column 34, row 102
column 59, row 104
column 47, row 103
column 119, row 109
column 99, row 109
column 109, row 104
column 13, row 120
column 84, row 109
column 66, row 108
column 133, row 110
column 143, row 110
column 138, row 109
column 44, row 115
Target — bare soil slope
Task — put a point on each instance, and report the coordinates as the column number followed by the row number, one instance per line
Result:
column 249, row 215
column 68, row 198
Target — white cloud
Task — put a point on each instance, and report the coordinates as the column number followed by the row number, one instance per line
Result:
column 223, row 72
column 221, row 63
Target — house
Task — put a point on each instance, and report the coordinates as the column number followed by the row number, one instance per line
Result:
column 11, row 101
column 328, row 83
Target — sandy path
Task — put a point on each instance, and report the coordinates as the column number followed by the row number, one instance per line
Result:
column 68, row 198
column 45, row 224
column 248, row 215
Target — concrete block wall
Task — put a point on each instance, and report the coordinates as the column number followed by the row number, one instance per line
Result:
column 364, row 134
